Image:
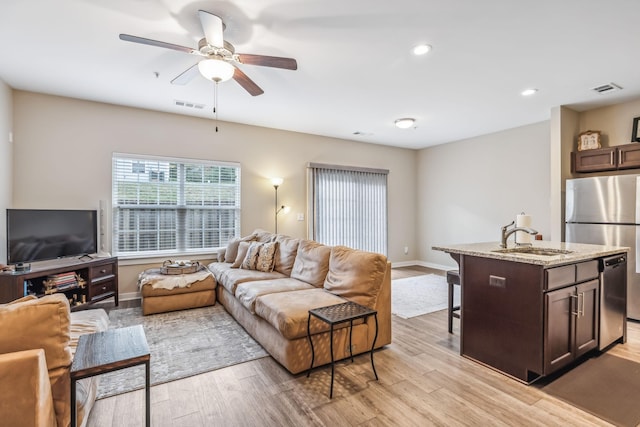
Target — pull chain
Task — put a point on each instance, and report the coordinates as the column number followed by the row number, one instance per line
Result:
column 215, row 104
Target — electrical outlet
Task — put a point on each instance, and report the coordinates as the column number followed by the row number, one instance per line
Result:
column 406, row 250
column 353, row 349
column 300, row 217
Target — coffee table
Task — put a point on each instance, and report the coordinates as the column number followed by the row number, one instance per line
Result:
column 109, row 351
column 340, row 313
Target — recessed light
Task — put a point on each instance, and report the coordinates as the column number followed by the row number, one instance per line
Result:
column 529, row 92
column 421, row 49
column 405, row 123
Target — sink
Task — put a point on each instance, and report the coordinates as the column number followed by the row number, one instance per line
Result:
column 529, row 250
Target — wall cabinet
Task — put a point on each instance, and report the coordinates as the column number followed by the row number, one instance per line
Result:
column 607, row 159
column 98, row 280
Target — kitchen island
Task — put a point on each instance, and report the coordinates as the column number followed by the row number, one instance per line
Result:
column 528, row 311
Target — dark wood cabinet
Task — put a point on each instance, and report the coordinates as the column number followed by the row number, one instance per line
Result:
column 527, row 320
column 571, row 324
column 598, row 160
column 99, row 279
column 607, row 159
column 628, row 156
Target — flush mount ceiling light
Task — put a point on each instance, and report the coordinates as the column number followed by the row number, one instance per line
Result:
column 216, row 70
column 529, row 92
column 421, row 49
column 405, row 123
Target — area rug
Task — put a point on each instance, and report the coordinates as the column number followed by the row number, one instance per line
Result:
column 605, row 386
column 182, row 343
column 414, row 296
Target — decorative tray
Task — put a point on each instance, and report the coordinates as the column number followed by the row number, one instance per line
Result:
column 179, row 267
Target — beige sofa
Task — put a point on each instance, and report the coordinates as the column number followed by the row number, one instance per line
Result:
column 273, row 305
column 37, row 344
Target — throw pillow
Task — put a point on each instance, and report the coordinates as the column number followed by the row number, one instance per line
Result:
column 250, row 260
column 232, row 246
column 266, row 257
column 243, row 247
column 232, row 249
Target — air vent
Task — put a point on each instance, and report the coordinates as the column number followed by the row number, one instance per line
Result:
column 607, row 88
column 189, row 105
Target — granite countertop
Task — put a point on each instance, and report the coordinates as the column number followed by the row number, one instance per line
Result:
column 576, row 252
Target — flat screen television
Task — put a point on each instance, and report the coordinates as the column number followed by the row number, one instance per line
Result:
column 45, row 234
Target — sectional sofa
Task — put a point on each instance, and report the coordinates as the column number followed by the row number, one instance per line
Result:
column 269, row 282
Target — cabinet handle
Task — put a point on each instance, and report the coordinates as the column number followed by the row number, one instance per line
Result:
column 576, row 306
column 104, row 288
column 581, row 310
column 612, row 162
column 103, row 271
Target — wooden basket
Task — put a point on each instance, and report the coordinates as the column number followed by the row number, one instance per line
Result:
column 172, row 267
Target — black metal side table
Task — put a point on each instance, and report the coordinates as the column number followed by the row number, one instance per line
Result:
column 339, row 313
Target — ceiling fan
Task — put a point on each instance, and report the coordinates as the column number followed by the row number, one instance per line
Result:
column 219, row 56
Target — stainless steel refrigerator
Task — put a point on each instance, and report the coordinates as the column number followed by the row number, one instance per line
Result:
column 605, row 210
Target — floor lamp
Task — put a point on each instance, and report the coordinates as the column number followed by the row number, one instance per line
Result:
column 277, row 182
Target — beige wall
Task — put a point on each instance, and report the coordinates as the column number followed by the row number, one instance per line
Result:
column 6, row 170
column 615, row 122
column 6, row 157
column 468, row 189
column 63, row 149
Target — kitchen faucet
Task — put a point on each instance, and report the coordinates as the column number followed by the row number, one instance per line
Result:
column 506, row 232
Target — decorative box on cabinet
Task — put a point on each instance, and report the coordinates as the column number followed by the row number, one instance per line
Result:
column 99, row 277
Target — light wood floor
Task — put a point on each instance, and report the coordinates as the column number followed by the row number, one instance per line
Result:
column 423, row 381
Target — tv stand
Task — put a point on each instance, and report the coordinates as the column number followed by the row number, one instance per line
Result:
column 99, row 280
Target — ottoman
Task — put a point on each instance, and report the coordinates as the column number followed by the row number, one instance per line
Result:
column 169, row 292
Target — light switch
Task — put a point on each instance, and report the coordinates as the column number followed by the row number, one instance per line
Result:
column 300, row 217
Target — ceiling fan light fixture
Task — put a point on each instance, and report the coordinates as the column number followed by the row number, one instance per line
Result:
column 217, row 70
column 405, row 123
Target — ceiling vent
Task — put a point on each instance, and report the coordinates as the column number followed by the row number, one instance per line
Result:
column 189, row 105
column 607, row 88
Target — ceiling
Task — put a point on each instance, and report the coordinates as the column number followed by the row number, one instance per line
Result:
column 356, row 73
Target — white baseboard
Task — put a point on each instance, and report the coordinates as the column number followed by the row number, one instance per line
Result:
column 128, row 296
column 424, row 264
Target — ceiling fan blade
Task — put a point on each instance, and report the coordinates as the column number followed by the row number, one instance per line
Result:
column 186, row 76
column 213, row 27
column 142, row 40
column 268, row 61
column 248, row 84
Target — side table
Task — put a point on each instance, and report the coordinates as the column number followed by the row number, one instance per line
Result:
column 339, row 313
column 109, row 351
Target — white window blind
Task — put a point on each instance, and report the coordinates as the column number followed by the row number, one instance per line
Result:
column 172, row 206
column 349, row 206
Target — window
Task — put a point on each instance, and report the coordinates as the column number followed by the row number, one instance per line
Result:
column 348, row 206
column 168, row 206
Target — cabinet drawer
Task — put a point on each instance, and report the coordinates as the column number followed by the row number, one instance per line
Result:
column 560, row 276
column 102, row 271
column 99, row 289
column 587, row 270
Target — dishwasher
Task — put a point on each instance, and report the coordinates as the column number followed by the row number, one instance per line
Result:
column 613, row 300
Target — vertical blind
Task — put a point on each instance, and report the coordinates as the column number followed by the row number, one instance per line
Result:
column 349, row 206
column 165, row 205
